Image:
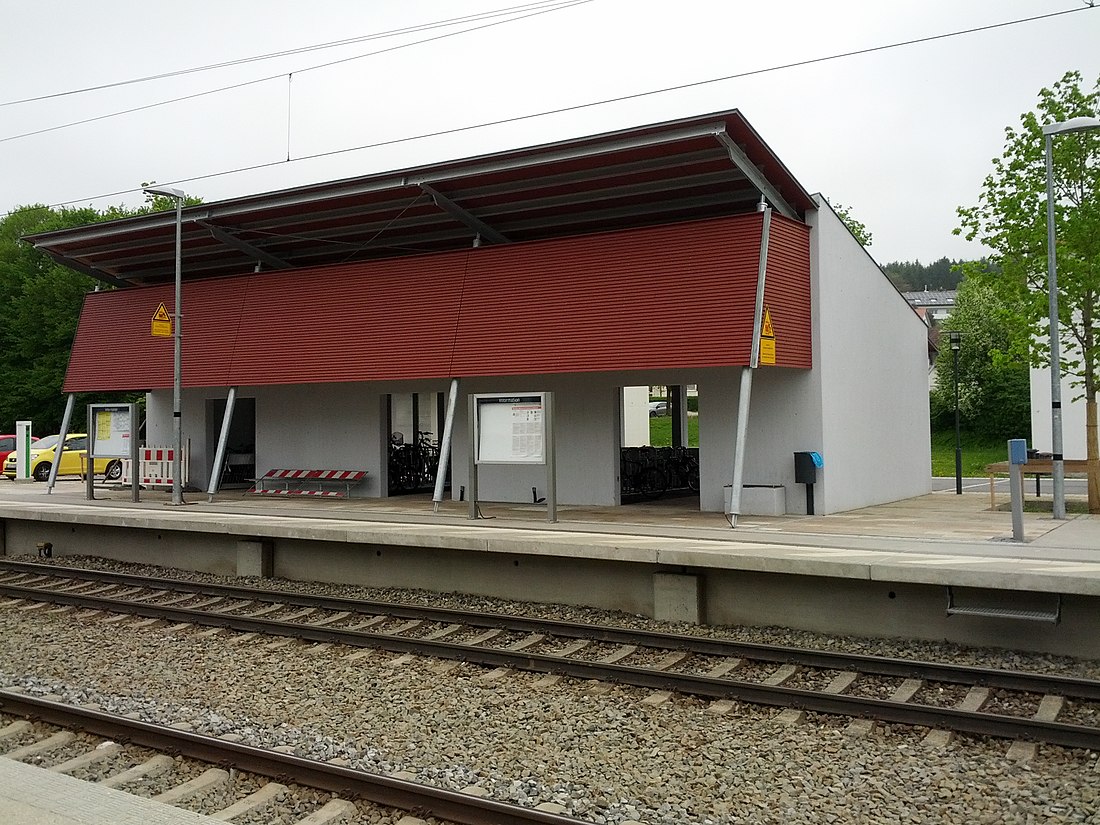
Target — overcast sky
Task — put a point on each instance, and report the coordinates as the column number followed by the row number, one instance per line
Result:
column 901, row 136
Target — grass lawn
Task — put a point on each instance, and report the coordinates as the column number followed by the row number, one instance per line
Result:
column 975, row 454
column 660, row 431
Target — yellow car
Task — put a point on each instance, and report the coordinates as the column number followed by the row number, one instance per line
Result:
column 72, row 459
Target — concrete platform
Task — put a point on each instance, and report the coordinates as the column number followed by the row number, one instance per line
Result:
column 882, row 570
column 35, row 796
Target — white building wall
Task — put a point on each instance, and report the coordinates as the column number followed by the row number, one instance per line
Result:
column 636, row 416
column 871, row 358
column 784, row 416
column 1073, row 416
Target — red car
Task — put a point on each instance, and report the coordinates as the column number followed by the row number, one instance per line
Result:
column 7, row 445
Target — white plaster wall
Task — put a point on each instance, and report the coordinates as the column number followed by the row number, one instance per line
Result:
column 784, row 416
column 158, row 417
column 871, row 358
column 1073, row 417
column 326, row 426
column 635, row 416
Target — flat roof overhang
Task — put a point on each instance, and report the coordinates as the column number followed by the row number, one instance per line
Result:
column 708, row 166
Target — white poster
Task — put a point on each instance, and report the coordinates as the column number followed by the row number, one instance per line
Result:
column 511, row 429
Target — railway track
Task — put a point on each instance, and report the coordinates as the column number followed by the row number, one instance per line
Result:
column 220, row 756
column 983, row 701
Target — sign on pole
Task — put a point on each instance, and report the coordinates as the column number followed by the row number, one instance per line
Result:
column 513, row 428
column 162, row 322
column 767, row 339
column 112, row 433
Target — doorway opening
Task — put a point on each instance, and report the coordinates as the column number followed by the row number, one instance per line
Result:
column 414, row 422
column 239, row 467
column 659, row 447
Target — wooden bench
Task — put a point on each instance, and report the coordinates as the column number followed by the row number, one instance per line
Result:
column 308, row 483
column 1037, row 467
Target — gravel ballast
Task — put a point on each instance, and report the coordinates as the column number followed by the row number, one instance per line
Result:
column 605, row 755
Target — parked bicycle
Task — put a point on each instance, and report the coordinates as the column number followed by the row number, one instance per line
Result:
column 642, row 473
column 683, row 468
column 412, row 466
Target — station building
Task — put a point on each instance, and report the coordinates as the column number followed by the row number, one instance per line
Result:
column 681, row 253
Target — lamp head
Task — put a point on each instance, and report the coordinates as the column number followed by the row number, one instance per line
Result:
column 956, row 339
column 1076, row 124
column 167, row 191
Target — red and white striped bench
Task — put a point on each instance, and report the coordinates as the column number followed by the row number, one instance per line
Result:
column 308, row 483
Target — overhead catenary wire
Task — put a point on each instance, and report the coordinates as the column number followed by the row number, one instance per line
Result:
column 587, row 105
column 453, row 21
column 255, row 81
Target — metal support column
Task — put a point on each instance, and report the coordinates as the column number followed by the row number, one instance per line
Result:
column 471, row 483
column 61, row 442
column 445, row 445
column 223, row 438
column 745, row 392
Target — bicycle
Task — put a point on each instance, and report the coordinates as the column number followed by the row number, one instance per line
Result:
column 641, row 473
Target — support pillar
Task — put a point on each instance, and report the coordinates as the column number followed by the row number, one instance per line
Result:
column 255, row 558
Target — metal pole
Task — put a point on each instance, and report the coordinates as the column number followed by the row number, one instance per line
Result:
column 445, row 446
column 958, row 443
column 745, row 391
column 223, row 440
column 1058, row 473
column 60, row 444
column 471, row 481
column 177, row 426
column 1016, row 487
column 551, row 465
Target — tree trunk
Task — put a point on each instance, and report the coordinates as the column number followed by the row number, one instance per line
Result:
column 1093, row 456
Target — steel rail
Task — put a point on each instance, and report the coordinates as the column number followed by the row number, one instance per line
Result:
column 1068, row 686
column 347, row 782
column 986, row 724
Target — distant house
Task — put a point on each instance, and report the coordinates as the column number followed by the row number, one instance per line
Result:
column 932, row 305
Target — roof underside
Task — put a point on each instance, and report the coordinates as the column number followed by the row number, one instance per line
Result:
column 699, row 168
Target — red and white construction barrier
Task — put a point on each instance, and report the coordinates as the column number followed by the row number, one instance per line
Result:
column 155, row 466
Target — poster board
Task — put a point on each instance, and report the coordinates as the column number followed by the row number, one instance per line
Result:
column 111, row 433
column 510, row 428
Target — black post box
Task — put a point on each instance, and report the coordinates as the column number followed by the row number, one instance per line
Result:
column 805, row 470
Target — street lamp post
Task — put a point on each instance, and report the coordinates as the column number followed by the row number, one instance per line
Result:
column 956, row 342
column 177, row 427
column 1058, row 469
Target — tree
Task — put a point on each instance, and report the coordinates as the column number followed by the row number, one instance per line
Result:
column 1010, row 219
column 42, row 302
column 913, row 276
column 994, row 388
column 856, row 227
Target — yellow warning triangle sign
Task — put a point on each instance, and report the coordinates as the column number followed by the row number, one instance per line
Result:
column 161, row 314
column 766, row 330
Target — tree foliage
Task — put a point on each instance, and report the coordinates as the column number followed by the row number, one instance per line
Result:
column 1010, row 218
column 913, row 276
column 42, row 302
column 994, row 388
column 856, row 227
